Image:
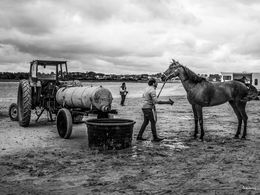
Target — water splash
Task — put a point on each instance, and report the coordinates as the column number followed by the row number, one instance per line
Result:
column 173, row 144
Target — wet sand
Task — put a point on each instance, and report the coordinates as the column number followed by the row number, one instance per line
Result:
column 35, row 160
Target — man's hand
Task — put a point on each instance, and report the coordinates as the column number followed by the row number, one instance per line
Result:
column 171, row 101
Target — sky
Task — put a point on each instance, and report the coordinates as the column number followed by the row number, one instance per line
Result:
column 131, row 36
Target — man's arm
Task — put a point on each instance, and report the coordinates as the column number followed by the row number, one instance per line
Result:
column 156, row 101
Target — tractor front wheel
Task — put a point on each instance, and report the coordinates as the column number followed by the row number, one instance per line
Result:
column 24, row 103
column 64, row 123
column 13, row 112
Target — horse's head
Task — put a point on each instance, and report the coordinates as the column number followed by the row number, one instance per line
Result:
column 173, row 70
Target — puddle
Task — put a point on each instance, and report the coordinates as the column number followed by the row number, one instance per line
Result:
column 173, row 144
column 134, row 152
column 168, row 146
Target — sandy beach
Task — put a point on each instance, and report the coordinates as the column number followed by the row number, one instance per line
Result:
column 35, row 160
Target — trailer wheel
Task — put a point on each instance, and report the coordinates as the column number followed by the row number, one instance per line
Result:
column 13, row 112
column 64, row 123
column 24, row 103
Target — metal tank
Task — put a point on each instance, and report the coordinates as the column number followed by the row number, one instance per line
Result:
column 85, row 97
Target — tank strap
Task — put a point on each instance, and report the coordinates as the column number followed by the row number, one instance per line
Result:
column 63, row 102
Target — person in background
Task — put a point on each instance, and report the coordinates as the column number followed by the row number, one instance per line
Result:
column 149, row 111
column 123, row 93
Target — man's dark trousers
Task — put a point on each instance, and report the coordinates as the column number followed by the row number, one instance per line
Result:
column 148, row 116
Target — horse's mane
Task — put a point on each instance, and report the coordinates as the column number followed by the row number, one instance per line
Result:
column 192, row 76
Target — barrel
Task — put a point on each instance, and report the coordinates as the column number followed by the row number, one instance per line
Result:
column 85, row 97
column 109, row 134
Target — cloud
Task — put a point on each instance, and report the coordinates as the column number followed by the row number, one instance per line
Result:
column 131, row 36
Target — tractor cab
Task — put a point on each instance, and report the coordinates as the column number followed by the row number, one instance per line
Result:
column 44, row 70
column 45, row 79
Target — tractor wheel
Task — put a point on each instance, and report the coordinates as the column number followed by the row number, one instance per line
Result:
column 76, row 119
column 24, row 103
column 13, row 112
column 64, row 123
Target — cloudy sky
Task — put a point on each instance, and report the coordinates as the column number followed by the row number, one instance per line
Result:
column 131, row 36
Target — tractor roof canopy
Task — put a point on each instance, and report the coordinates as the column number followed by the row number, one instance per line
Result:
column 48, row 62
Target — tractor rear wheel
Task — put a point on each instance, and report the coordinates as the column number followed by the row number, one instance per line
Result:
column 13, row 112
column 64, row 123
column 24, row 103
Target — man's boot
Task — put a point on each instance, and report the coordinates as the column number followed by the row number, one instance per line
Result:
column 155, row 137
column 158, row 139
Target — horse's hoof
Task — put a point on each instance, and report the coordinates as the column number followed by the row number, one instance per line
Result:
column 236, row 137
column 243, row 138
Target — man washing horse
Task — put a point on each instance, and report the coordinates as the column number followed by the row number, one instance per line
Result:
column 149, row 111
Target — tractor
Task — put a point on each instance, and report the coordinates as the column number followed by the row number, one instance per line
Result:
column 38, row 92
column 48, row 89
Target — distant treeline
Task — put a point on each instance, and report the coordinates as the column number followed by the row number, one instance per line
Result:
column 99, row 76
column 13, row 75
column 83, row 76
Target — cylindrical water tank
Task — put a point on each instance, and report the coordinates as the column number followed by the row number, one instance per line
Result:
column 85, row 97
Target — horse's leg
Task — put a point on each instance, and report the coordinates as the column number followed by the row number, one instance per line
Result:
column 242, row 110
column 200, row 117
column 239, row 117
column 195, row 120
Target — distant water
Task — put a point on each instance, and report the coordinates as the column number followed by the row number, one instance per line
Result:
column 135, row 90
column 8, row 90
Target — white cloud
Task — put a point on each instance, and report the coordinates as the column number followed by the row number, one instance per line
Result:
column 132, row 36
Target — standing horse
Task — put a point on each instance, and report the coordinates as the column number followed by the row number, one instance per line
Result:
column 202, row 93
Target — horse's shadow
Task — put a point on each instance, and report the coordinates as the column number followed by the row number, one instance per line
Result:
column 41, row 123
column 215, row 140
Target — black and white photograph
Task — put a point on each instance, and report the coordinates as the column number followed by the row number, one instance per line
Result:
column 129, row 97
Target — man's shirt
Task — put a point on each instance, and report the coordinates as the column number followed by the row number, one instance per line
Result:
column 150, row 98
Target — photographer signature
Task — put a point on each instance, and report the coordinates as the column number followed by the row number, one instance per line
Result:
column 248, row 188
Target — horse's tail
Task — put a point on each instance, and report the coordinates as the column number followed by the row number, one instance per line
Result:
column 252, row 93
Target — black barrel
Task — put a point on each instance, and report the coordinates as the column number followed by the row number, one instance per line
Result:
column 109, row 134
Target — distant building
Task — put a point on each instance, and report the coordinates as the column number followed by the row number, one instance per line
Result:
column 203, row 75
column 252, row 78
column 256, row 80
column 214, row 77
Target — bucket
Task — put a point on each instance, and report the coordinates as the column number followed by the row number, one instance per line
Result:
column 109, row 134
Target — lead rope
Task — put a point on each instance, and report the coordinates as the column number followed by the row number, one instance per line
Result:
column 161, row 89
column 163, row 85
